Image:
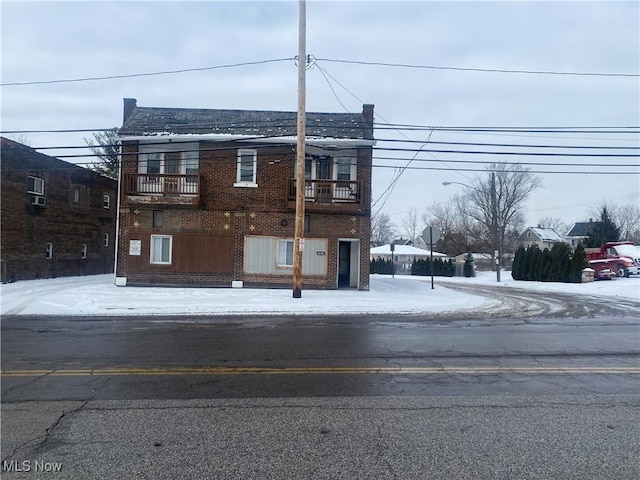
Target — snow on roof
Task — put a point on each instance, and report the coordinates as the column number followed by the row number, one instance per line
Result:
column 404, row 250
column 546, row 234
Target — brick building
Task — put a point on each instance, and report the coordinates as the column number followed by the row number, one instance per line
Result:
column 208, row 198
column 58, row 219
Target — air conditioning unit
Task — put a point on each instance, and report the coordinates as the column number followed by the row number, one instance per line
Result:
column 38, row 200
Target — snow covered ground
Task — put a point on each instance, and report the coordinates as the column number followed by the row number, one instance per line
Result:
column 97, row 295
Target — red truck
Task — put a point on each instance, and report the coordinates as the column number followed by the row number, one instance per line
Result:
column 622, row 258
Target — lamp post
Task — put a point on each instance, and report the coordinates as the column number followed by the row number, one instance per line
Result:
column 495, row 231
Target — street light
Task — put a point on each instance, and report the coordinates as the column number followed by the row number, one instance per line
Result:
column 497, row 247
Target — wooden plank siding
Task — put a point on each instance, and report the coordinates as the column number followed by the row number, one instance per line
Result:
column 191, row 253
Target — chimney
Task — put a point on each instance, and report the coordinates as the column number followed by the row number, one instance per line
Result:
column 367, row 112
column 129, row 106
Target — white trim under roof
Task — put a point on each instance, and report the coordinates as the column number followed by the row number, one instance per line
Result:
column 317, row 141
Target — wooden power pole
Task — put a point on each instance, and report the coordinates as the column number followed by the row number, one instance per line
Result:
column 298, row 245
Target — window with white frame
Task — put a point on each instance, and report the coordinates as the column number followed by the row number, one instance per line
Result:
column 76, row 194
column 247, row 168
column 48, row 253
column 176, row 158
column 285, row 253
column 106, row 239
column 161, row 249
column 35, row 185
column 84, row 251
column 345, row 168
column 106, row 201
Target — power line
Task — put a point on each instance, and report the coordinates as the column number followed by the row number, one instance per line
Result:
column 483, row 70
column 150, row 74
column 534, row 154
column 484, row 170
column 382, row 126
column 482, row 129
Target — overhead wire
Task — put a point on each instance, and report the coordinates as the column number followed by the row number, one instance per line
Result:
column 483, row 70
column 397, row 174
column 148, row 74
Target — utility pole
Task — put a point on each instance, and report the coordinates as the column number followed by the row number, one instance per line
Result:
column 495, row 226
column 298, row 244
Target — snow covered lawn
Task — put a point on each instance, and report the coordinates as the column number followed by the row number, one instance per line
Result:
column 97, row 295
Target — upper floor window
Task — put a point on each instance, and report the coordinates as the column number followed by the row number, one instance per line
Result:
column 169, row 158
column 324, row 167
column 106, row 239
column 345, row 168
column 76, row 194
column 247, row 167
column 35, row 185
column 106, row 201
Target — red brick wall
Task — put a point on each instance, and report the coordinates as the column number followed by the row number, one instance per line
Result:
column 26, row 229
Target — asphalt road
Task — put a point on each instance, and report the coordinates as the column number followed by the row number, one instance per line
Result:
column 546, row 392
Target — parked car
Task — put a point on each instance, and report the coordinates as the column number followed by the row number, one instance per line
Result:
column 604, row 274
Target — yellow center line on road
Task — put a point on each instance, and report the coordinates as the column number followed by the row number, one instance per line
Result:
column 470, row 370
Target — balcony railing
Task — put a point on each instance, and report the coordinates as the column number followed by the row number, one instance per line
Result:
column 162, row 189
column 328, row 191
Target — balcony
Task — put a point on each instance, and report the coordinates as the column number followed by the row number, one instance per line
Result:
column 162, row 188
column 328, row 193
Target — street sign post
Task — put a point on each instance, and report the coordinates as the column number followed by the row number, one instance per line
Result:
column 431, row 235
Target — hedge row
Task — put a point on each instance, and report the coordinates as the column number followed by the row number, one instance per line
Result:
column 418, row 267
column 560, row 264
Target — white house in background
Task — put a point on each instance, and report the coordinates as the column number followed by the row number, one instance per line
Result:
column 542, row 237
column 403, row 255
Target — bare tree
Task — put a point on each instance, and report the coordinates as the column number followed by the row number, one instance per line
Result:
column 556, row 223
column 410, row 224
column 454, row 238
column 106, row 147
column 626, row 217
column 21, row 138
column 382, row 229
column 495, row 200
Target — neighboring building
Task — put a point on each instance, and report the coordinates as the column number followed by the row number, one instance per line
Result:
column 208, row 198
column 580, row 232
column 482, row 261
column 58, row 219
column 542, row 237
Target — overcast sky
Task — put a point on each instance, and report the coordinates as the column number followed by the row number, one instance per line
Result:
column 45, row 41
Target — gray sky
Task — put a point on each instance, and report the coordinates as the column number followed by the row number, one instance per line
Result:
column 44, row 41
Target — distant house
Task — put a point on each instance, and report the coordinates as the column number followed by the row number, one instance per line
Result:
column 208, row 197
column 482, row 261
column 542, row 237
column 580, row 232
column 58, row 219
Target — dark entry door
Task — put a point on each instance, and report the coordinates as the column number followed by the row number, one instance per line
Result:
column 344, row 264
